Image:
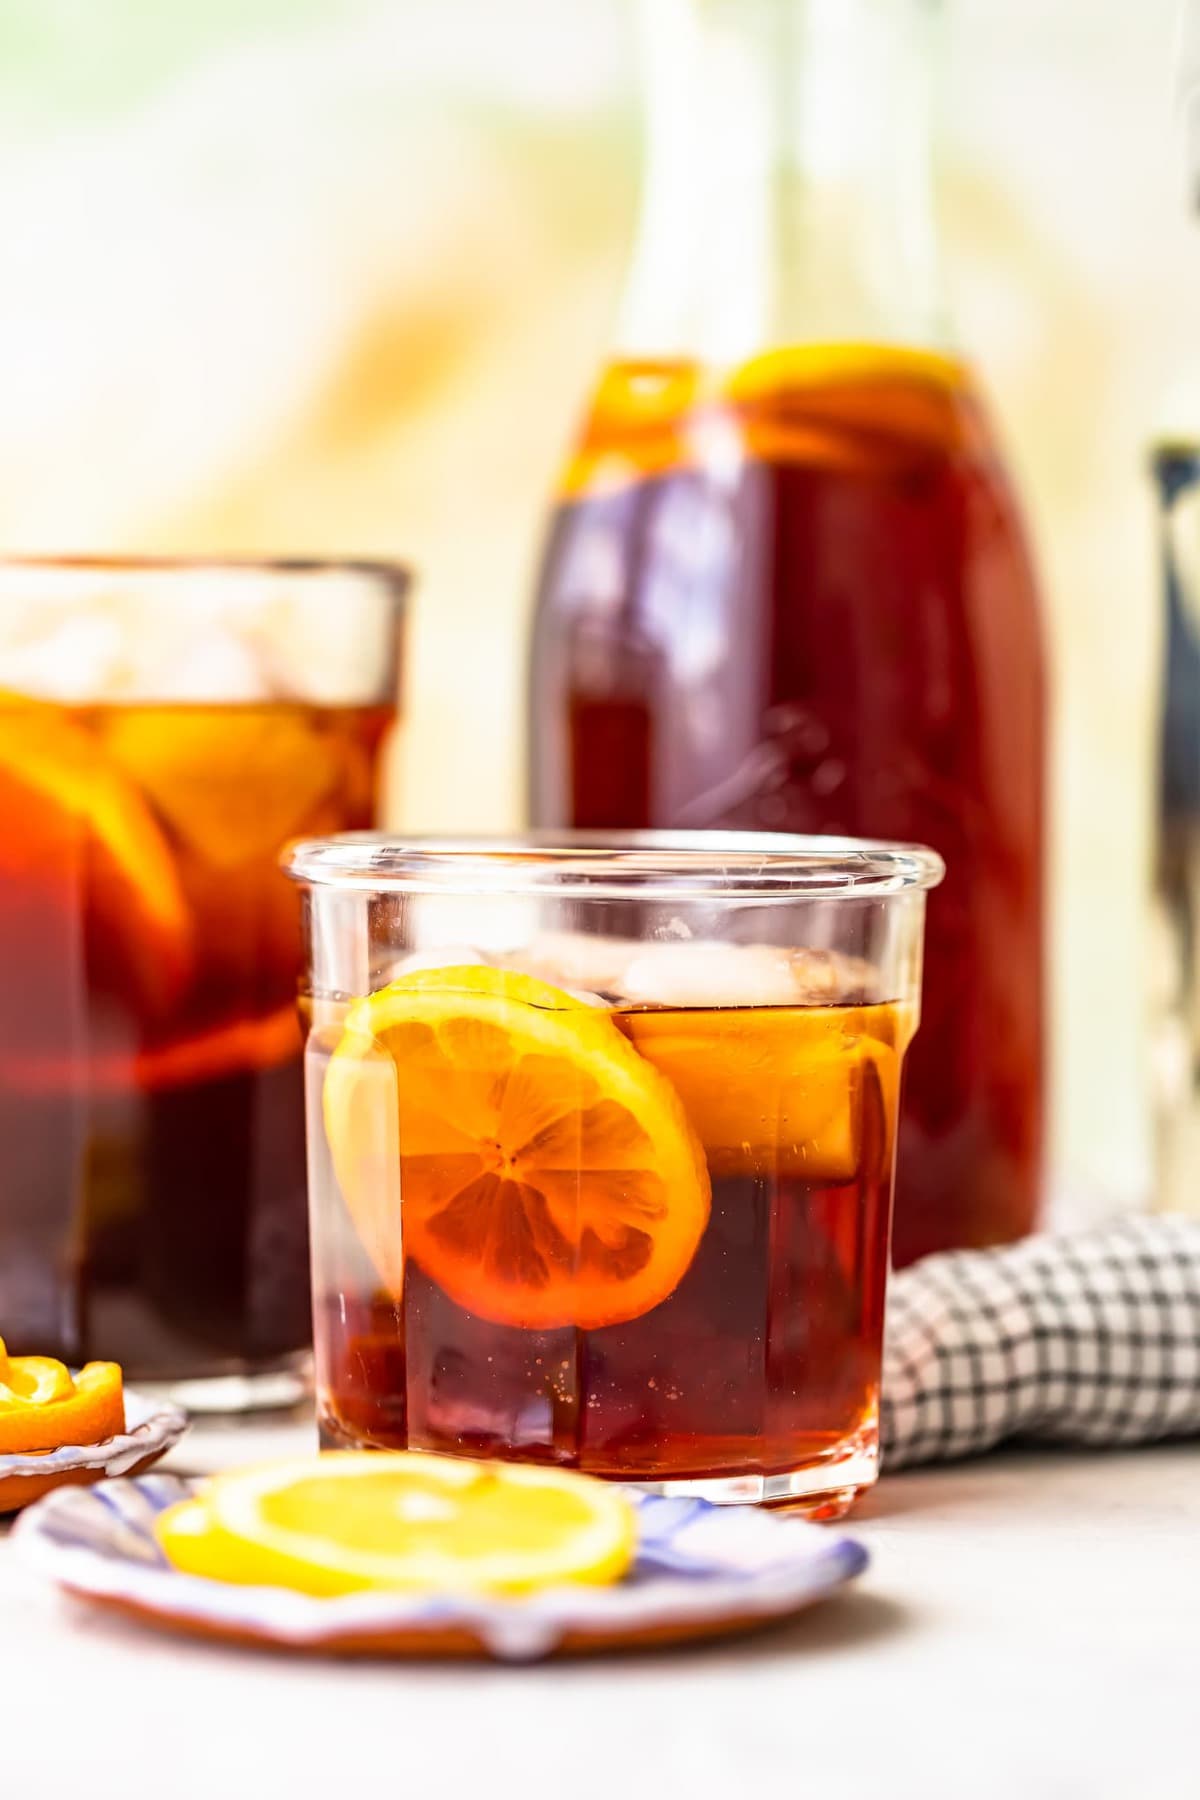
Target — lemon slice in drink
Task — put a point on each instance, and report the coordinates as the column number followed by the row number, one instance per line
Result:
column 548, row 1174
column 74, row 825
column 356, row 1521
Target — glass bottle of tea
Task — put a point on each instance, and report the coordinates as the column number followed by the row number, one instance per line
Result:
column 785, row 586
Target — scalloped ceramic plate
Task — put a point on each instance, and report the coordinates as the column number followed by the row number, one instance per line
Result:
column 701, row 1571
column 151, row 1428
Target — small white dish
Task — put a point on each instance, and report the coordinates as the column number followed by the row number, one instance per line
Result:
column 701, row 1571
column 152, row 1427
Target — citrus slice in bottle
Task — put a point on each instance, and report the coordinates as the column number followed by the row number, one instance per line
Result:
column 77, row 834
column 840, row 364
column 549, row 1175
column 355, row 1521
column 43, row 1406
column 909, row 402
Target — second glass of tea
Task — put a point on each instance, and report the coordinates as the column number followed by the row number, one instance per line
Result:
column 602, row 1138
column 164, row 729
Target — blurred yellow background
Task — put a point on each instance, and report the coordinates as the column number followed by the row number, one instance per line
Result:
column 333, row 275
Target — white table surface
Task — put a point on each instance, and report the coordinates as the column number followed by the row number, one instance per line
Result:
column 1029, row 1628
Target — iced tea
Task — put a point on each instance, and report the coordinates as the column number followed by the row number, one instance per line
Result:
column 152, row 1200
column 642, row 1236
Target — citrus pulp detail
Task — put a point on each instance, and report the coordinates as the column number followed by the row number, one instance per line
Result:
column 548, row 1175
column 353, row 1522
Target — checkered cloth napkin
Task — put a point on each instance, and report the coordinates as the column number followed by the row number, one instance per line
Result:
column 1091, row 1338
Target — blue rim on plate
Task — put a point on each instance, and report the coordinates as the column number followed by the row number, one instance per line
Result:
column 700, row 1570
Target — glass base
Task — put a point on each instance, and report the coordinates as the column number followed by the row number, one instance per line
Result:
column 278, row 1388
column 821, row 1490
column 825, row 1491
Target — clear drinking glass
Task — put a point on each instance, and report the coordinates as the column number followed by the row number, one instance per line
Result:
column 601, row 1149
column 165, row 727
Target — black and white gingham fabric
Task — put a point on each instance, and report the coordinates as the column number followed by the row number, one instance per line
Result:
column 1092, row 1338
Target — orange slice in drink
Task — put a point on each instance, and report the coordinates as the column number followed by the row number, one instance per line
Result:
column 548, row 1175
column 356, row 1521
column 43, row 1406
column 75, row 833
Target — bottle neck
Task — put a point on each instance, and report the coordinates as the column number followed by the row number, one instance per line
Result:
column 788, row 194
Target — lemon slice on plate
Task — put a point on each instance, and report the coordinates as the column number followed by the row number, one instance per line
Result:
column 355, row 1521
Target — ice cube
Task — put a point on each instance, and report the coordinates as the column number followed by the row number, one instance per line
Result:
column 75, row 658
column 218, row 667
column 829, row 978
column 195, row 633
column 447, row 956
column 466, row 956
column 769, row 1091
column 328, row 643
column 577, row 961
column 703, row 973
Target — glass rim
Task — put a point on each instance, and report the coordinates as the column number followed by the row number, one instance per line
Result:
column 613, row 865
column 394, row 575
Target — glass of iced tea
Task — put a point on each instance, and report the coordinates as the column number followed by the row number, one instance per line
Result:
column 165, row 728
column 602, row 1139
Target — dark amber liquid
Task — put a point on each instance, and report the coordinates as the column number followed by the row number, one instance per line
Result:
column 802, row 602
column 763, row 1360
column 152, row 1180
